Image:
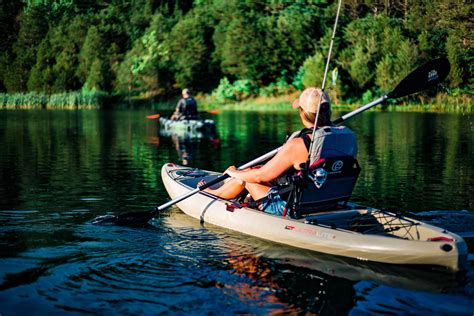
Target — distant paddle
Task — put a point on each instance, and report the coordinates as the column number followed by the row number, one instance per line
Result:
column 214, row 111
column 157, row 116
column 152, row 117
column 424, row 77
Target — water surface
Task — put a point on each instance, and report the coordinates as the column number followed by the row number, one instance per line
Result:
column 59, row 169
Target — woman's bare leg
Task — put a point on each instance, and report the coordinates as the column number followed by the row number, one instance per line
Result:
column 228, row 190
column 257, row 190
column 233, row 187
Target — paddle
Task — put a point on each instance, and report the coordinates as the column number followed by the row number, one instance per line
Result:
column 152, row 117
column 156, row 116
column 214, row 111
column 422, row 78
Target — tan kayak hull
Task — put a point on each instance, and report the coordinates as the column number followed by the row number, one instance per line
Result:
column 284, row 230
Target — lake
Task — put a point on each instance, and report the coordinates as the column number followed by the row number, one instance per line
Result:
column 60, row 169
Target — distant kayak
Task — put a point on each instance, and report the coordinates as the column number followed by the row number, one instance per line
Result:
column 363, row 233
column 187, row 128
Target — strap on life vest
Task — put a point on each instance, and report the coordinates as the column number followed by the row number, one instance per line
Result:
column 304, row 134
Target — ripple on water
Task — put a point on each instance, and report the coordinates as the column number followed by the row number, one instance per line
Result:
column 460, row 222
column 372, row 298
column 12, row 217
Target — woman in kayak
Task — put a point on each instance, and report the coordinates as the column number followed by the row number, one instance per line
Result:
column 258, row 181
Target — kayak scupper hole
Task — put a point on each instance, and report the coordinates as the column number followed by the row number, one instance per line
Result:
column 446, row 247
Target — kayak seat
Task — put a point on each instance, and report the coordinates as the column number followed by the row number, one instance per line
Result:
column 327, row 184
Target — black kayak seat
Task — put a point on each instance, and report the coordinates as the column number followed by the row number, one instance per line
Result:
column 333, row 170
column 328, row 183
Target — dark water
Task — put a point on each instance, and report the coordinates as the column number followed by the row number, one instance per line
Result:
column 59, row 169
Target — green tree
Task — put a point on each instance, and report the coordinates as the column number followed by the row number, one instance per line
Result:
column 395, row 66
column 33, row 27
column 91, row 69
column 260, row 41
column 58, row 55
column 42, row 75
column 146, row 65
column 190, row 49
column 457, row 19
column 313, row 70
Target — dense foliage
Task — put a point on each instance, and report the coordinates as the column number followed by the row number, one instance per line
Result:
column 231, row 48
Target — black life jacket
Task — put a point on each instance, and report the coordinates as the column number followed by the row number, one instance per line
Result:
column 190, row 108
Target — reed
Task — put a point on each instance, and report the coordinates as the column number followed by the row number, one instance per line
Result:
column 66, row 100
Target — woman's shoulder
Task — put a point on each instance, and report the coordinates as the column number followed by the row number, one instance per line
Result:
column 295, row 143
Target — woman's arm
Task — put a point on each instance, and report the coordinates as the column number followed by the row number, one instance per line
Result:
column 291, row 155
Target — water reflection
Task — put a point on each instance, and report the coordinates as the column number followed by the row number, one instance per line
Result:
column 187, row 149
column 188, row 143
column 289, row 279
column 252, row 277
column 60, row 169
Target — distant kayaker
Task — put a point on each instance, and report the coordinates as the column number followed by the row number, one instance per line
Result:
column 259, row 182
column 186, row 109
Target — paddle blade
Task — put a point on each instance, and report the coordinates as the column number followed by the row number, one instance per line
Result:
column 214, row 111
column 152, row 117
column 424, row 77
column 127, row 219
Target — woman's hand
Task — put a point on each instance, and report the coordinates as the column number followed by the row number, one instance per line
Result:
column 201, row 183
column 231, row 171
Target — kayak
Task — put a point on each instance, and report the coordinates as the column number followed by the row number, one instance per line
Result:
column 187, row 128
column 401, row 276
column 363, row 233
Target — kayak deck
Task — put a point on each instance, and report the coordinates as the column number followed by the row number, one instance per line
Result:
column 352, row 231
column 361, row 220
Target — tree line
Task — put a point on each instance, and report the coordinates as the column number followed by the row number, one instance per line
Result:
column 232, row 49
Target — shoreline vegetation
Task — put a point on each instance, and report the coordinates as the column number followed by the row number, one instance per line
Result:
column 67, row 54
column 442, row 102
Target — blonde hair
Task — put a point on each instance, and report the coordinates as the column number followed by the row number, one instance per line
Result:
column 324, row 117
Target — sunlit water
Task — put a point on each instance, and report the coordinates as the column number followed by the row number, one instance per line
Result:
column 59, row 169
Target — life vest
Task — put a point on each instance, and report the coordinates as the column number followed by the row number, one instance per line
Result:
column 190, row 108
column 329, row 141
column 329, row 176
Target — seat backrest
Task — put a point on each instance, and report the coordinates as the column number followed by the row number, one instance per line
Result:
column 333, row 169
column 328, row 182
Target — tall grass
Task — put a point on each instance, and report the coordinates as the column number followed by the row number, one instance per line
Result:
column 66, row 100
column 442, row 102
